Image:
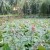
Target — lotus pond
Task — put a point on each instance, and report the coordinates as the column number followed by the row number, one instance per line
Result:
column 25, row 34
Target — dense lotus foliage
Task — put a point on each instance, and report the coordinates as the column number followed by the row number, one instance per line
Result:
column 25, row 34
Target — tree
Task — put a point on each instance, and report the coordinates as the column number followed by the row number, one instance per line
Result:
column 33, row 8
column 26, row 8
column 4, row 8
column 44, row 8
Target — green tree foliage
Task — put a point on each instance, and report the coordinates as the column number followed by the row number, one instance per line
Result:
column 7, row 6
column 48, row 10
column 11, row 2
column 33, row 8
column 45, row 8
column 4, row 8
column 26, row 8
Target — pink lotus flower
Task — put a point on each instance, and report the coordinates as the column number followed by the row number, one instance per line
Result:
column 33, row 27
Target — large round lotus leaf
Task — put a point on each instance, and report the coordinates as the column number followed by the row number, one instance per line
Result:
column 41, row 47
column 6, row 47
